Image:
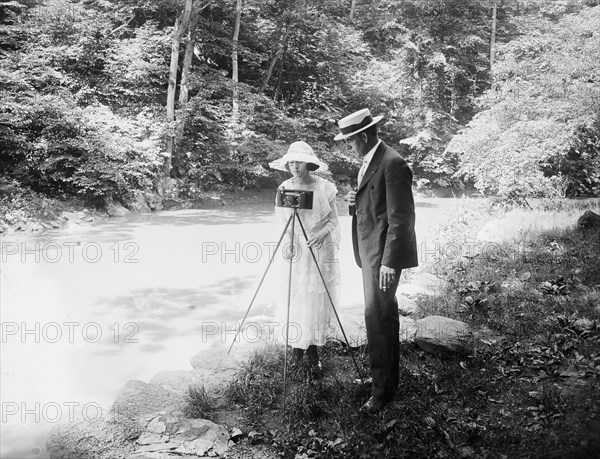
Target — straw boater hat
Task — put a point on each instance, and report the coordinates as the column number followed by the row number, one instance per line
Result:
column 356, row 122
column 301, row 152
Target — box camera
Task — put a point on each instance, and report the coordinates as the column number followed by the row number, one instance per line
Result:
column 298, row 199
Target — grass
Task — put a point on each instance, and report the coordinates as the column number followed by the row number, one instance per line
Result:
column 199, row 404
column 530, row 390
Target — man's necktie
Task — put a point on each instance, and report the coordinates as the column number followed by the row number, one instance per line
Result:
column 363, row 169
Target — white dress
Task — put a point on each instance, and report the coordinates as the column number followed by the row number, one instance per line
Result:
column 311, row 318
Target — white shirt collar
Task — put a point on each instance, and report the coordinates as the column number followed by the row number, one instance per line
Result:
column 369, row 156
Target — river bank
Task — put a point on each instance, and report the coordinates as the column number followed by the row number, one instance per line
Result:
column 27, row 211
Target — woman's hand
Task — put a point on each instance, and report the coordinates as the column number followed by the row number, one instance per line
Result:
column 317, row 239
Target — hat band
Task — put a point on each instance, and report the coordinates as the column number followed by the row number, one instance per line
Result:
column 357, row 127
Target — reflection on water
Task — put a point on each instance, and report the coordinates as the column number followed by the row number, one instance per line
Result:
column 85, row 309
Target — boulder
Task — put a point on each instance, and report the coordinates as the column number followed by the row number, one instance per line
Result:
column 176, row 381
column 154, row 201
column 114, row 209
column 172, row 204
column 406, row 306
column 408, row 329
column 171, row 436
column 168, row 187
column 76, row 218
column 589, row 220
column 138, row 398
column 139, row 204
column 214, row 368
column 101, row 437
column 444, row 336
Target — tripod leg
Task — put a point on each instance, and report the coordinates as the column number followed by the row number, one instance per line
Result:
column 287, row 320
column 330, row 299
column 261, row 281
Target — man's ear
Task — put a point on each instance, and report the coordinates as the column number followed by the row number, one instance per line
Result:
column 364, row 137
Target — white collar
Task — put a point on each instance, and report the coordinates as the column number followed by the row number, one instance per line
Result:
column 369, row 156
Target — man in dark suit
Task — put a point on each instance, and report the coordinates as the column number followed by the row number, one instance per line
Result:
column 383, row 237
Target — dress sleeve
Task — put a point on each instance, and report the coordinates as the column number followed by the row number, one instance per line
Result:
column 282, row 214
column 332, row 217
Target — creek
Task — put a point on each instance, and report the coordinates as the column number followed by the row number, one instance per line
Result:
column 84, row 309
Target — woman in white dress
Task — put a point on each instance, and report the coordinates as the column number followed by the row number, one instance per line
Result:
column 310, row 306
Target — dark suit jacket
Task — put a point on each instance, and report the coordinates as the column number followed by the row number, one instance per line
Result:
column 383, row 227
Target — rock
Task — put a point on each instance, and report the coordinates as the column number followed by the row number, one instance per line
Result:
column 443, row 336
column 172, row 204
column 168, row 187
column 213, row 367
column 114, row 209
column 236, row 433
column 154, row 201
column 406, row 306
column 194, row 437
column 208, row 202
column 73, row 217
column 200, row 436
column 408, row 329
column 584, row 324
column 139, row 204
column 589, row 220
column 137, row 398
column 176, row 381
column 104, row 437
column 36, row 226
column 151, row 438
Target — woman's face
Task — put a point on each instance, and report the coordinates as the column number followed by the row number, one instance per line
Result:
column 298, row 169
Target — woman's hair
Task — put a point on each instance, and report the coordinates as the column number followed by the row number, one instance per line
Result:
column 310, row 166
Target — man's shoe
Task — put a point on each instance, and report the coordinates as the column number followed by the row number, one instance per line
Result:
column 374, row 405
column 316, row 370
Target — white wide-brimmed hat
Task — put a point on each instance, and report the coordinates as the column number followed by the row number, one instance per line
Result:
column 356, row 122
column 301, row 152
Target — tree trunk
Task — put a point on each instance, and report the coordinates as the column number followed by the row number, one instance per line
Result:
column 181, row 24
column 234, row 63
column 493, row 36
column 277, row 55
column 352, row 9
column 171, row 95
column 279, row 81
column 187, row 60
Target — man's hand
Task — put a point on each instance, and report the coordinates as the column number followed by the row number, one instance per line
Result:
column 351, row 197
column 387, row 276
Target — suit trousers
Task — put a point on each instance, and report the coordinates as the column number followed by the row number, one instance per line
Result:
column 383, row 330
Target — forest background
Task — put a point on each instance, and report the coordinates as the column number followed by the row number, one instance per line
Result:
column 101, row 98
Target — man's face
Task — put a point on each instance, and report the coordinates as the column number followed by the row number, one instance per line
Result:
column 358, row 143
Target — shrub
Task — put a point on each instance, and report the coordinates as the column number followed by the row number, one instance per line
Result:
column 580, row 164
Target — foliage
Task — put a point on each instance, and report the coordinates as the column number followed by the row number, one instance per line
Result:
column 544, row 92
column 21, row 208
column 302, row 66
column 580, row 164
column 62, row 149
